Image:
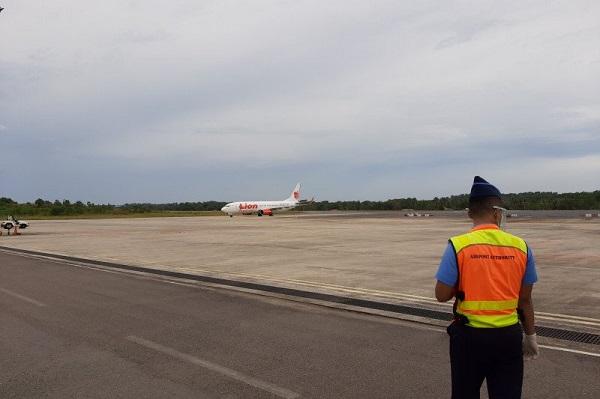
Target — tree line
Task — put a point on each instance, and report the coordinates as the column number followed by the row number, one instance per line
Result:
column 520, row 201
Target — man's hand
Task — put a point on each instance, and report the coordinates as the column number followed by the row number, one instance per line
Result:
column 444, row 292
column 530, row 347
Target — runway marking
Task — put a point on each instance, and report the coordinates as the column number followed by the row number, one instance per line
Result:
column 22, row 297
column 568, row 319
column 556, row 348
column 578, row 320
column 392, row 295
column 236, row 375
column 567, row 316
column 208, row 365
column 395, row 295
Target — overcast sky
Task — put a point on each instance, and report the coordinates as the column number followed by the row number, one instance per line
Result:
column 155, row 101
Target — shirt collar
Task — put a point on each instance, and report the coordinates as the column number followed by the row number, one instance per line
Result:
column 487, row 226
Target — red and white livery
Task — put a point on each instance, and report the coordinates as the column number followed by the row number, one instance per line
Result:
column 261, row 208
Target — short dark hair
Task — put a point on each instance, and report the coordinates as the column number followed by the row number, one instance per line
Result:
column 480, row 206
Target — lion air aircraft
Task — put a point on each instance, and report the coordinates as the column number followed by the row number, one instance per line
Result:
column 261, row 208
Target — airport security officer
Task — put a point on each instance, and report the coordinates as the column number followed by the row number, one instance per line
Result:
column 491, row 273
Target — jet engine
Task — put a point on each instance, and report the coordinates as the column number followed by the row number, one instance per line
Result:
column 266, row 212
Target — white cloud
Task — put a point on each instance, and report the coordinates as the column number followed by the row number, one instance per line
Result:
column 272, row 85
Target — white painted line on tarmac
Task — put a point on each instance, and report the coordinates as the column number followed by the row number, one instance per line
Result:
column 388, row 294
column 569, row 319
column 556, row 348
column 87, row 266
column 567, row 316
column 236, row 375
column 22, row 297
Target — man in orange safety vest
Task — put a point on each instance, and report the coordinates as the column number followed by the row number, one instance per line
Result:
column 491, row 274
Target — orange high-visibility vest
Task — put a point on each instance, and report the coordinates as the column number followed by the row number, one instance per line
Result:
column 491, row 266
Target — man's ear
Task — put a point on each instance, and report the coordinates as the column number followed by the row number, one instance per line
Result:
column 496, row 218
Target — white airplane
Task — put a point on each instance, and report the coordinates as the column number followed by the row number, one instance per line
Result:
column 11, row 223
column 265, row 207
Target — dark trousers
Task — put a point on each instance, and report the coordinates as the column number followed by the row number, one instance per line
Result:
column 494, row 354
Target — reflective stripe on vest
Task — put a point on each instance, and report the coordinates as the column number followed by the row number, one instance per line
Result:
column 491, row 266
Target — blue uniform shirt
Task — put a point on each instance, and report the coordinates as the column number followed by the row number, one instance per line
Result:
column 448, row 271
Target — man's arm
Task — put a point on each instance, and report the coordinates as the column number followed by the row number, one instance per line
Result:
column 444, row 292
column 447, row 276
column 530, row 346
column 526, row 306
column 525, row 302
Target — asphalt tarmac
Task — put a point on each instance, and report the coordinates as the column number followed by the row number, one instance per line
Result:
column 391, row 257
column 69, row 331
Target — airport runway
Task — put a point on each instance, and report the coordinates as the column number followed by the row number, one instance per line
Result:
column 373, row 257
column 68, row 331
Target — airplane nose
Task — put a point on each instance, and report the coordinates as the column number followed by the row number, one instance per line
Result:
column 223, row 209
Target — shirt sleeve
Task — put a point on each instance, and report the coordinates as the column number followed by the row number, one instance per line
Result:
column 448, row 271
column 530, row 276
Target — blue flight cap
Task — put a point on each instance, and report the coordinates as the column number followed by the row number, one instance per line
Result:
column 481, row 188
